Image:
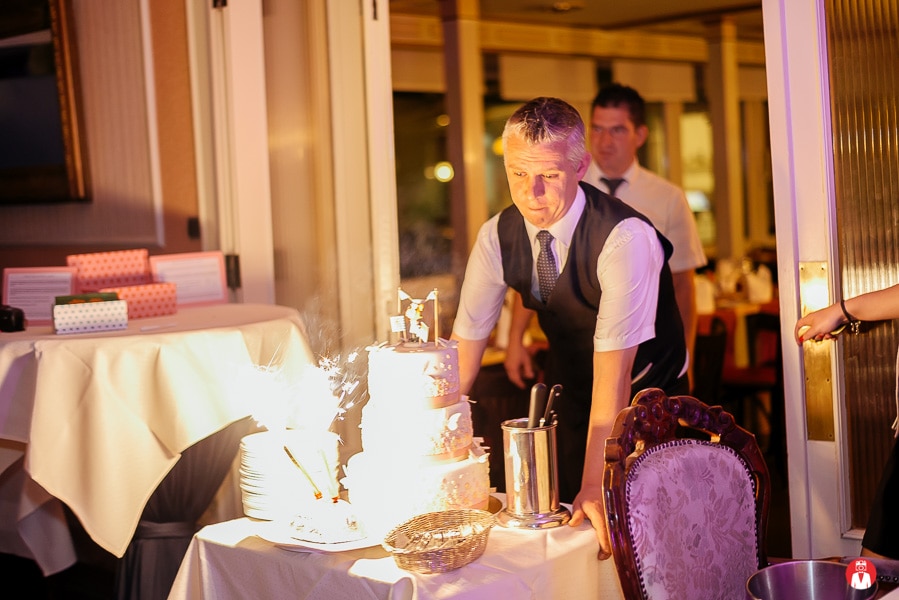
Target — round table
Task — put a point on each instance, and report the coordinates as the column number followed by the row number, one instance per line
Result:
column 96, row 421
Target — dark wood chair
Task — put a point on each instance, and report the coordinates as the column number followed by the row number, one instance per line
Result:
column 687, row 493
column 756, row 391
column 709, row 352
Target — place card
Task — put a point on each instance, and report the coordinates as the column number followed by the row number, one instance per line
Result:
column 34, row 290
column 199, row 276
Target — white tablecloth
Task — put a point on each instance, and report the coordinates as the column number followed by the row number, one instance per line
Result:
column 97, row 420
column 228, row 561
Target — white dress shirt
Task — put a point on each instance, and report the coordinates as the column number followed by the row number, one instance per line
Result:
column 627, row 267
column 665, row 205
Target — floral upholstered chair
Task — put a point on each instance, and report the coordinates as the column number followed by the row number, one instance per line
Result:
column 686, row 493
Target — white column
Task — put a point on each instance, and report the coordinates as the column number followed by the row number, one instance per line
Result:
column 805, row 215
column 382, row 164
column 364, row 170
column 233, row 145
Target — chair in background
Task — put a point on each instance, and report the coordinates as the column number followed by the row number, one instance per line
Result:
column 687, row 517
column 709, row 351
column 746, row 389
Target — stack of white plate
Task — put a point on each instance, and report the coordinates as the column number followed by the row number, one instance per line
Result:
column 272, row 486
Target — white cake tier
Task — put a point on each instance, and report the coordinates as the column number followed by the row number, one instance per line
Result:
column 272, row 486
column 441, row 433
column 414, row 374
column 387, row 490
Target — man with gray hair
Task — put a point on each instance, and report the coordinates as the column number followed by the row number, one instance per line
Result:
column 596, row 273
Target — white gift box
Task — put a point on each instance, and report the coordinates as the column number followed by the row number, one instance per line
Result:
column 88, row 317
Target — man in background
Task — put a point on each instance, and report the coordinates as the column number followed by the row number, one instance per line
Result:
column 617, row 131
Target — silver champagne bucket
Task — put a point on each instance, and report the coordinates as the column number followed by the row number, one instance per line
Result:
column 805, row 580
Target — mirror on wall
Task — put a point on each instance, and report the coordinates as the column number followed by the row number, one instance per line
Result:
column 42, row 157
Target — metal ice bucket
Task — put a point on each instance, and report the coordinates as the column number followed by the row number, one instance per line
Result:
column 805, row 580
column 532, row 480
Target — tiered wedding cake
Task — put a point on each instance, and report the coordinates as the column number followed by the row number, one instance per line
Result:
column 419, row 454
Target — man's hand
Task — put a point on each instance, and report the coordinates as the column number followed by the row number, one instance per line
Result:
column 518, row 363
column 588, row 503
column 611, row 386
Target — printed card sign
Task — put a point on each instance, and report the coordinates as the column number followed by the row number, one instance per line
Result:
column 199, row 276
column 34, row 290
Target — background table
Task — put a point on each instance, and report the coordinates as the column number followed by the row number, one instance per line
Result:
column 734, row 312
column 96, row 421
column 228, row 561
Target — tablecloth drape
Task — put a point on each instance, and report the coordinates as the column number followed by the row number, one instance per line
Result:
column 96, row 421
column 169, row 520
column 226, row 561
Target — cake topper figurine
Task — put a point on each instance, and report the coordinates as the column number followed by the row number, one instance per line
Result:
column 417, row 329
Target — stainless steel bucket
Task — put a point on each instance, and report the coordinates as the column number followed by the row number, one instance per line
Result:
column 532, row 480
column 805, row 580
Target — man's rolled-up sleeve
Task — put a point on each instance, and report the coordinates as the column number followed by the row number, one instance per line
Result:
column 628, row 269
column 483, row 290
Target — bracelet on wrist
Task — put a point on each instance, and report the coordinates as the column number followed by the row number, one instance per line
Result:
column 852, row 321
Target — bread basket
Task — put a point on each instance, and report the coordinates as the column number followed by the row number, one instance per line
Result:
column 438, row 542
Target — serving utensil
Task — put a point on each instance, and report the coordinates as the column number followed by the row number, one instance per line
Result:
column 538, row 403
column 548, row 414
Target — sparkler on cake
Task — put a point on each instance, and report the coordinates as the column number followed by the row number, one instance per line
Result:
column 289, row 472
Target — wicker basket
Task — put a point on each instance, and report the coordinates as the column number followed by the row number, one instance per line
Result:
column 438, row 542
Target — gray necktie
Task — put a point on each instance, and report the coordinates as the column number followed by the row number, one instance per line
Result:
column 547, row 272
column 613, row 183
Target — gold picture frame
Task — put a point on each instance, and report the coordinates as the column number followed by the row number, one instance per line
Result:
column 63, row 178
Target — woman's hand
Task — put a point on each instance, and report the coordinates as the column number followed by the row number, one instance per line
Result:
column 824, row 324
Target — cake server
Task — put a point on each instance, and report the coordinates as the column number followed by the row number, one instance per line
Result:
column 554, row 393
column 538, row 401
